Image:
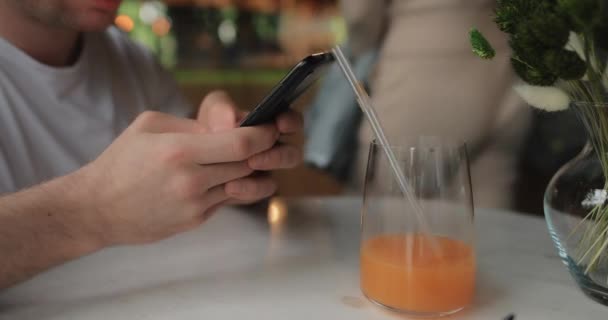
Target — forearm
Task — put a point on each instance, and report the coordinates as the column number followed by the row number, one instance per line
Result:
column 42, row 227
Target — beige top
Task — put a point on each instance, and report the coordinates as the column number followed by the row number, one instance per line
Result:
column 428, row 82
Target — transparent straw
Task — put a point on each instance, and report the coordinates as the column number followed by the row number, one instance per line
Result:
column 366, row 106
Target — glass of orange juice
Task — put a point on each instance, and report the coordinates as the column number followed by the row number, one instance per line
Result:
column 418, row 257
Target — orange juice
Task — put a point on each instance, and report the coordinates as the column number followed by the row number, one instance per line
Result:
column 403, row 272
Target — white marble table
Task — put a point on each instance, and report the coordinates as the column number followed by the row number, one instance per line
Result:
column 304, row 266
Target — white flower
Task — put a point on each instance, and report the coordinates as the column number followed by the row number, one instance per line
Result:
column 575, row 44
column 545, row 98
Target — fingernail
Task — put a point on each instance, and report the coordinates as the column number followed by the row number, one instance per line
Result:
column 222, row 117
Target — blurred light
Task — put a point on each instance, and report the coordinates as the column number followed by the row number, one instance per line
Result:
column 227, row 32
column 124, row 22
column 277, row 211
column 149, row 12
column 161, row 26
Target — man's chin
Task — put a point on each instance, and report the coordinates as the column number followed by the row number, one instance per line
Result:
column 94, row 21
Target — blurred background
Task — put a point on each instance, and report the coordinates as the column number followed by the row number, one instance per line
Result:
column 246, row 46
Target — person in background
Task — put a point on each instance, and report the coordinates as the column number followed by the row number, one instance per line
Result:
column 90, row 156
column 428, row 82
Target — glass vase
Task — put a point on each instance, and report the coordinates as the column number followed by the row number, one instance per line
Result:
column 576, row 209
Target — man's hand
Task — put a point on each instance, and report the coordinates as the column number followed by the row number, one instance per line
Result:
column 218, row 113
column 161, row 176
column 164, row 174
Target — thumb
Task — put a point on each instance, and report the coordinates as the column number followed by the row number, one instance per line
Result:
column 218, row 112
column 221, row 117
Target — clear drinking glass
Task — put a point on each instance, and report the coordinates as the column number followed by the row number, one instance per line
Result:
column 420, row 262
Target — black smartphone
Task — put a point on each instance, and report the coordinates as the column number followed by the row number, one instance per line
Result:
column 300, row 78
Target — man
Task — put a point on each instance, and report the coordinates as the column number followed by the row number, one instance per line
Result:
column 72, row 101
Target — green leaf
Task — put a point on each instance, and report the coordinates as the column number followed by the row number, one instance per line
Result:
column 506, row 17
column 550, row 29
column 509, row 13
column 526, row 47
column 480, row 45
column 532, row 74
column 565, row 64
column 600, row 35
column 584, row 13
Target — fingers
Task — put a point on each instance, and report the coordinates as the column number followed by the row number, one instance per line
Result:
column 216, row 174
column 290, row 122
column 218, row 112
column 209, row 203
column 251, row 189
column 280, row 157
column 157, row 122
column 211, row 211
column 213, row 199
column 231, row 146
column 241, row 191
column 215, row 196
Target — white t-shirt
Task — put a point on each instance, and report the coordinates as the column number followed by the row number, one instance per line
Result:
column 55, row 120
